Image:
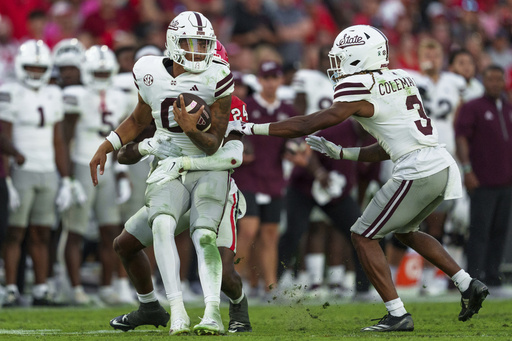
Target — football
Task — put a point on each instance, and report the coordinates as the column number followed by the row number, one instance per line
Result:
column 192, row 104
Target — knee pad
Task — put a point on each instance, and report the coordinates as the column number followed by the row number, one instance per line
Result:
column 163, row 226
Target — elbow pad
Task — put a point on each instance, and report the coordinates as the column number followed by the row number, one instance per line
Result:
column 227, row 157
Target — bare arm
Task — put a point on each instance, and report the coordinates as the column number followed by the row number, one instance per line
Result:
column 127, row 131
column 305, row 125
column 6, row 146
column 300, row 103
column 61, row 150
column 208, row 141
column 372, row 153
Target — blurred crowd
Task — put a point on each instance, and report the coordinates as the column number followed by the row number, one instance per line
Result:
column 298, row 233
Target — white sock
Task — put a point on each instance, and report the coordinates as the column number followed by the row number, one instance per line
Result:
column 336, row 274
column 462, row 280
column 146, row 298
column 209, row 264
column 396, row 307
column 39, row 290
column 166, row 255
column 13, row 288
column 238, row 300
column 315, row 263
column 177, row 308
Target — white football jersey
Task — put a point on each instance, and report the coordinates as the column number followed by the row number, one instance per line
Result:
column 33, row 115
column 399, row 123
column 441, row 101
column 159, row 90
column 99, row 114
column 317, row 88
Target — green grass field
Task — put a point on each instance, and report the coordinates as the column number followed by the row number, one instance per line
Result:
column 433, row 320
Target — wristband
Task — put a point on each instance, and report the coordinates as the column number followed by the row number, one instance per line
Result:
column 114, row 140
column 66, row 181
column 261, row 129
column 466, row 168
column 351, row 153
column 186, row 163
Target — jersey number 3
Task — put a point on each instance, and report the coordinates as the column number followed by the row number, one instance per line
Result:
column 410, row 102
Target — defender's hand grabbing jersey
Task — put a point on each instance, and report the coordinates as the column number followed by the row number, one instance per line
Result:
column 159, row 90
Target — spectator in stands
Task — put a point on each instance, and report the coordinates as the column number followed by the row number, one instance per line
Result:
column 485, row 125
column 252, row 24
column 8, row 50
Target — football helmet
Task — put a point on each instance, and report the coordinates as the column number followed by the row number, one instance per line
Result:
column 99, row 67
column 191, row 41
column 69, row 52
column 358, row 48
column 220, row 52
column 33, row 53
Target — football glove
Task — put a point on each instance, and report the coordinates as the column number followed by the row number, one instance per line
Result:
column 156, row 146
column 240, row 127
column 14, row 197
column 324, row 146
column 167, row 170
column 79, row 195
column 64, row 198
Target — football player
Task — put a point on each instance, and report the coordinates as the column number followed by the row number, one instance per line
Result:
column 388, row 105
column 91, row 111
column 187, row 67
column 137, row 234
column 31, row 113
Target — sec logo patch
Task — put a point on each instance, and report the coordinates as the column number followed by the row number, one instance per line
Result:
column 148, row 79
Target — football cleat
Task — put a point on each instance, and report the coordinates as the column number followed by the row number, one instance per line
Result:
column 209, row 326
column 180, row 326
column 148, row 314
column 390, row 323
column 239, row 317
column 12, row 299
column 46, row 300
column 472, row 299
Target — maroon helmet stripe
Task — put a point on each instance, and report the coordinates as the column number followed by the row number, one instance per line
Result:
column 349, row 85
column 199, row 21
column 388, row 211
column 352, row 92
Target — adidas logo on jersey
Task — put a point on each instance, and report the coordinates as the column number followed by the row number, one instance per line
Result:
column 194, row 88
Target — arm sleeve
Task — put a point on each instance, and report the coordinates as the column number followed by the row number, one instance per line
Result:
column 225, row 84
column 228, row 157
column 352, row 89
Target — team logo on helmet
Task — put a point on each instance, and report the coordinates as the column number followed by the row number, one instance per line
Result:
column 148, row 79
column 350, row 41
column 174, row 25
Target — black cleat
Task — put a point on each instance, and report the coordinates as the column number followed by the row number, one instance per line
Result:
column 239, row 317
column 148, row 314
column 472, row 299
column 390, row 323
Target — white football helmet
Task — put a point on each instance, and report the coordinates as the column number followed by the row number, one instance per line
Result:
column 33, row 53
column 191, row 41
column 69, row 52
column 99, row 67
column 358, row 48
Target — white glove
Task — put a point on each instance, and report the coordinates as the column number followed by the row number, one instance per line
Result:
column 324, row 146
column 156, row 146
column 167, row 170
column 124, row 190
column 64, row 198
column 79, row 195
column 14, row 197
column 240, row 127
